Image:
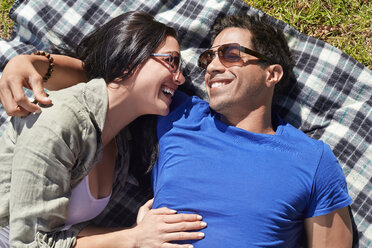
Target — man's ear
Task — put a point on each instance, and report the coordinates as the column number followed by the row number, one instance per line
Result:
column 274, row 74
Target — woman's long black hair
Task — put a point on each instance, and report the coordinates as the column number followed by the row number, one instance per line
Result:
column 114, row 51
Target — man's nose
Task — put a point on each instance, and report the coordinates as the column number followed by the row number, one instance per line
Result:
column 215, row 66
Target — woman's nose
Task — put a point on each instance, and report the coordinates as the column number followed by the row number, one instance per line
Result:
column 178, row 77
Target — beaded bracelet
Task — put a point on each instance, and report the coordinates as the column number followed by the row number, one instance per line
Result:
column 51, row 64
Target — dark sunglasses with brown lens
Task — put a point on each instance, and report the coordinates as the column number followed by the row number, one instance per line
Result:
column 228, row 54
column 173, row 59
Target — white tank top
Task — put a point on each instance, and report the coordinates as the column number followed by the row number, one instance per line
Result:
column 83, row 206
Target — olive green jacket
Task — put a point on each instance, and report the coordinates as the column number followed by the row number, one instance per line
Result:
column 43, row 157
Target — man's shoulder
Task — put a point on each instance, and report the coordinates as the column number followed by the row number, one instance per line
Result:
column 186, row 106
column 299, row 138
column 182, row 100
column 184, row 111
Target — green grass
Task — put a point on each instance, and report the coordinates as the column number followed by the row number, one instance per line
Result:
column 345, row 24
column 6, row 25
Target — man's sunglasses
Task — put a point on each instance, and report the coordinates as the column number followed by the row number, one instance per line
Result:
column 228, row 54
column 173, row 59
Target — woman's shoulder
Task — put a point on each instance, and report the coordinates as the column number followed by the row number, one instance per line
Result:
column 78, row 103
column 72, row 113
column 67, row 107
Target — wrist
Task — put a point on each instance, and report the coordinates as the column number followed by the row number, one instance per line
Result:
column 127, row 238
column 135, row 237
column 50, row 61
column 132, row 240
column 107, row 240
column 40, row 63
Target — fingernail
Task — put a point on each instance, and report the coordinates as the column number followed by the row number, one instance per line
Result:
column 203, row 224
column 38, row 111
column 190, row 246
column 172, row 211
column 201, row 235
column 199, row 217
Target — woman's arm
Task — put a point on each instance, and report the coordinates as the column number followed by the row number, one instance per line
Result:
column 155, row 228
column 28, row 71
column 44, row 154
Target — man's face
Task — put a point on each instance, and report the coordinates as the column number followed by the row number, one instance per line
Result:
column 236, row 90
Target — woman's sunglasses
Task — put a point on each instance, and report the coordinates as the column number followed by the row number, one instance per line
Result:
column 228, row 54
column 173, row 59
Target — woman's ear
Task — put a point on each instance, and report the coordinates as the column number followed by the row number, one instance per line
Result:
column 274, row 74
column 117, row 80
column 124, row 74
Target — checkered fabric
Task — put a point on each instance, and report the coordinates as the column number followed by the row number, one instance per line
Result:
column 329, row 100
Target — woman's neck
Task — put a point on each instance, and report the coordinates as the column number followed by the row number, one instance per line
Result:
column 121, row 111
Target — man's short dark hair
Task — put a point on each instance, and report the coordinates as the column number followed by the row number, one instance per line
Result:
column 266, row 39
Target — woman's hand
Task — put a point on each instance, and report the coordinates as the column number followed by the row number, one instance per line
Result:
column 144, row 210
column 157, row 227
column 20, row 71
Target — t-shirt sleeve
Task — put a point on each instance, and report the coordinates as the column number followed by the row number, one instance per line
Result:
column 329, row 190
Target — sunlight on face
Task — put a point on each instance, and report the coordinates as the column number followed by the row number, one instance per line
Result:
column 154, row 83
column 236, row 89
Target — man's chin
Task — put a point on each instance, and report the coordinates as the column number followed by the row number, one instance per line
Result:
column 218, row 106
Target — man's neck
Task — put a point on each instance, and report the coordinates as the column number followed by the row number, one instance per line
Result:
column 257, row 121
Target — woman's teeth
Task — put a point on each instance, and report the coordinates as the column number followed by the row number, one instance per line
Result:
column 168, row 91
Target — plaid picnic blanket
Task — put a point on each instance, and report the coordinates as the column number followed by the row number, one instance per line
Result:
column 329, row 100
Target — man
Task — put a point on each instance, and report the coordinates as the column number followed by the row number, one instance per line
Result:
column 256, row 180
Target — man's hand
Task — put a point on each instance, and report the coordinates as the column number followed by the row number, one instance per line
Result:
column 19, row 72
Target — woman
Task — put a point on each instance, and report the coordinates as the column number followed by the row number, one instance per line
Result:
column 60, row 167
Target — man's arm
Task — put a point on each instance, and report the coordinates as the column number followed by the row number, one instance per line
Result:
column 330, row 230
column 28, row 71
column 67, row 71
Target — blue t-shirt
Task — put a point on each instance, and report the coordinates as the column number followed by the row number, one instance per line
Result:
column 253, row 190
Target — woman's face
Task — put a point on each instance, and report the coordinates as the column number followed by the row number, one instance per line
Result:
column 154, row 82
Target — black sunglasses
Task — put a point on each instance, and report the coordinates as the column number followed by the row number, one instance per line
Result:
column 228, row 54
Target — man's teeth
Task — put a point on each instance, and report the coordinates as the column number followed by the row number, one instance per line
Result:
column 214, row 85
column 168, row 91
